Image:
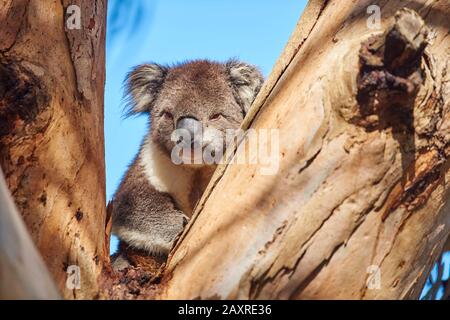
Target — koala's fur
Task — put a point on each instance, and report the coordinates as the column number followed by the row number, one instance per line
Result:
column 156, row 197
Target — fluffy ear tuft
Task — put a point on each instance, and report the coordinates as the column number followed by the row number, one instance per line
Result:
column 246, row 81
column 143, row 84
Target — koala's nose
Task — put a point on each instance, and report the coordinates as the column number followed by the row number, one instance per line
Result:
column 192, row 125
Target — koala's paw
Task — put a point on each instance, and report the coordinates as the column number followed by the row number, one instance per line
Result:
column 164, row 237
column 119, row 262
column 156, row 237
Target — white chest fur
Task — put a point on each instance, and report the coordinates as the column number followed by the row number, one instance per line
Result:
column 165, row 176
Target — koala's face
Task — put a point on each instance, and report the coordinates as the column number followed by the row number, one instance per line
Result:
column 198, row 100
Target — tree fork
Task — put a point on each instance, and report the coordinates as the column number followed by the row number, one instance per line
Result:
column 362, row 187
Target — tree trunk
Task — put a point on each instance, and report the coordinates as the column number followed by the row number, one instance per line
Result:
column 359, row 207
column 51, row 132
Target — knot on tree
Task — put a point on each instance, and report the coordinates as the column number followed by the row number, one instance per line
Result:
column 23, row 96
column 390, row 73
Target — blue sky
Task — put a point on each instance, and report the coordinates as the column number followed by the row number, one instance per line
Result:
column 170, row 31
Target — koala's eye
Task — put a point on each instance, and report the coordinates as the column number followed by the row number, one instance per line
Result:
column 216, row 116
column 167, row 115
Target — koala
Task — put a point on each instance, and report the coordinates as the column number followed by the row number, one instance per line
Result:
column 156, row 197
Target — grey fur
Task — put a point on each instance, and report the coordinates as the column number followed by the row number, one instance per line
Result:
column 142, row 86
column 155, row 197
column 246, row 81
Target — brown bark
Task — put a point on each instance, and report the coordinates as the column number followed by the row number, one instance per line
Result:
column 51, row 132
column 364, row 124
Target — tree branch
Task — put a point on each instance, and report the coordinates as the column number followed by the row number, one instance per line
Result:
column 362, row 176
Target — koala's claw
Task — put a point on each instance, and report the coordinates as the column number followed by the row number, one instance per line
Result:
column 185, row 220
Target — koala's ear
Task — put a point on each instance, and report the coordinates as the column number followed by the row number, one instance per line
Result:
column 143, row 84
column 246, row 81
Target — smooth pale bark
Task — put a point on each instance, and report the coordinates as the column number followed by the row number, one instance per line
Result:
column 362, row 190
column 51, row 132
column 23, row 274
